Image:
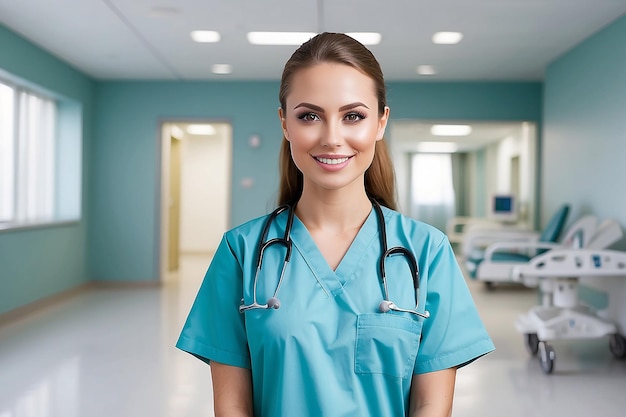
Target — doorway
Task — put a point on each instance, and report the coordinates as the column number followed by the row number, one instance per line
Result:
column 487, row 158
column 196, row 160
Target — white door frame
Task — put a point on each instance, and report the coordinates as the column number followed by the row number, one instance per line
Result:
column 162, row 203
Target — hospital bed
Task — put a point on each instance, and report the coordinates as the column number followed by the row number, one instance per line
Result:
column 561, row 315
column 458, row 227
column 501, row 257
column 478, row 237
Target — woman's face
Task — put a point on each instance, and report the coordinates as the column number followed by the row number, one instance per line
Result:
column 332, row 123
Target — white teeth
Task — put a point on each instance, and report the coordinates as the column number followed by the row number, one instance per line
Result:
column 333, row 161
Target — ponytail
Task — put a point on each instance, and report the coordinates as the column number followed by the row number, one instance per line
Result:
column 380, row 183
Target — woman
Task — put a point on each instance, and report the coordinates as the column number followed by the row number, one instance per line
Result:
column 322, row 343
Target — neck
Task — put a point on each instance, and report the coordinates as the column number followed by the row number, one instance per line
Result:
column 336, row 211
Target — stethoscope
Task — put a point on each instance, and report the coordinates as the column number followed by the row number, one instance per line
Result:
column 385, row 305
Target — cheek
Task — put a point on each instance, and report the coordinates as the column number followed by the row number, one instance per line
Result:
column 364, row 135
column 299, row 133
column 300, row 142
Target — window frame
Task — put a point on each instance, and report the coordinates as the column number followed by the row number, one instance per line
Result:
column 56, row 218
column 12, row 86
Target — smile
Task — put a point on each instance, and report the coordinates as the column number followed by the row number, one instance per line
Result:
column 332, row 161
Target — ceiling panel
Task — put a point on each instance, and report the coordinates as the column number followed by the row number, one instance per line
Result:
column 149, row 39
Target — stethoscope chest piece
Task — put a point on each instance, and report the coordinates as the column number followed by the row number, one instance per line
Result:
column 386, row 306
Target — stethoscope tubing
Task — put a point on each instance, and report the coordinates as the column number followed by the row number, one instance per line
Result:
column 385, row 306
column 263, row 245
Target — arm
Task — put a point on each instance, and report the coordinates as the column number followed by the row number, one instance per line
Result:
column 431, row 394
column 232, row 391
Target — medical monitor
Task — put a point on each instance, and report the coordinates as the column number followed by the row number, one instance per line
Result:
column 503, row 208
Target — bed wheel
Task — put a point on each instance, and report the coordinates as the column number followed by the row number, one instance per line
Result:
column 532, row 343
column 546, row 357
column 617, row 345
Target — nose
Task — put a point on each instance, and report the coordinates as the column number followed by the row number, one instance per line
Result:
column 331, row 135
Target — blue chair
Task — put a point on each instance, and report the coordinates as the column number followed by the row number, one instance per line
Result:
column 549, row 235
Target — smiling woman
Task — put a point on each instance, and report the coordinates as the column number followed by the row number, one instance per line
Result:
column 325, row 134
column 289, row 314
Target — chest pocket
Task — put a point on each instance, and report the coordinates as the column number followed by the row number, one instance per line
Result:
column 386, row 344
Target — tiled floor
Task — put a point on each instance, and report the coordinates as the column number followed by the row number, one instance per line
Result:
column 109, row 352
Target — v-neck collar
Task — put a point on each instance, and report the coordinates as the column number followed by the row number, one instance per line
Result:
column 306, row 246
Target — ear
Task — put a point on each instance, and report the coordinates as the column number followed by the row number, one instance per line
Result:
column 382, row 124
column 283, row 123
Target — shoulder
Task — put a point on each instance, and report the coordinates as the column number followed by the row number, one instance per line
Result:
column 398, row 223
column 247, row 235
column 250, row 229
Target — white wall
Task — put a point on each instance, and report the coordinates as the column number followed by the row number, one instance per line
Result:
column 520, row 143
column 470, row 182
column 205, row 185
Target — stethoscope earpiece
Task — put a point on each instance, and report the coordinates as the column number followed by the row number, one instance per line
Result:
column 273, row 303
column 384, row 306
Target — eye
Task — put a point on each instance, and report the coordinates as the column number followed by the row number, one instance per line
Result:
column 308, row 117
column 354, row 117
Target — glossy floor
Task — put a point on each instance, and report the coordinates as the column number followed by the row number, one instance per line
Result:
column 109, row 352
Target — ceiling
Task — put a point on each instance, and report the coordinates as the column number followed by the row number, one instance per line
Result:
column 504, row 40
column 150, row 39
column 408, row 134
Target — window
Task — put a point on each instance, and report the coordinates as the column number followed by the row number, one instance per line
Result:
column 431, row 177
column 28, row 138
column 7, row 153
column 432, row 189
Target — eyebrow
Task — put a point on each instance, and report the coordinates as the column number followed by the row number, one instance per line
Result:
column 342, row 108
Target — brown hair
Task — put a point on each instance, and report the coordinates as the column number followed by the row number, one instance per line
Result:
column 342, row 49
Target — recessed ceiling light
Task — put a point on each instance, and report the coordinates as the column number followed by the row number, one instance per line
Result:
column 279, row 38
column 447, row 38
column 366, row 38
column 426, row 70
column 450, row 130
column 205, row 36
column 201, row 129
column 437, row 147
column 222, row 69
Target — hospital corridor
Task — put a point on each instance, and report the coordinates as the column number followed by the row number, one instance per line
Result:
column 333, row 161
column 110, row 352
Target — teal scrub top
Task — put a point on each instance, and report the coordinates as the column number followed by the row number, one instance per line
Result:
column 328, row 351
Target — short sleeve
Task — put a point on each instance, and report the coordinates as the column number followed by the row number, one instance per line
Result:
column 454, row 334
column 214, row 329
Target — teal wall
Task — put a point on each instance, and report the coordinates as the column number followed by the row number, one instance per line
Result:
column 36, row 263
column 124, row 193
column 498, row 101
column 585, row 109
